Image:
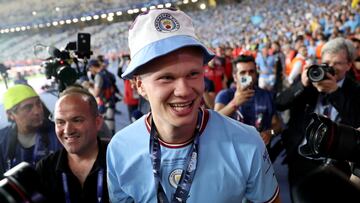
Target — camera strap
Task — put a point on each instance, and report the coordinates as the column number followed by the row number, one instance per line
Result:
column 187, row 176
column 99, row 189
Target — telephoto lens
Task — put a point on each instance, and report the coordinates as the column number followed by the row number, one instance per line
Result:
column 20, row 185
column 327, row 139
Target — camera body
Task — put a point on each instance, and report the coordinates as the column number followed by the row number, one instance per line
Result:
column 317, row 72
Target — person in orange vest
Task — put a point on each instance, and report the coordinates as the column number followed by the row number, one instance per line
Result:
column 321, row 41
column 297, row 64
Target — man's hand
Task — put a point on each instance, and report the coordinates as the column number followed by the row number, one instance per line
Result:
column 242, row 95
column 328, row 85
column 266, row 136
column 304, row 78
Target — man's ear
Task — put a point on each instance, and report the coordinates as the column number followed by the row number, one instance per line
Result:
column 139, row 86
column 10, row 116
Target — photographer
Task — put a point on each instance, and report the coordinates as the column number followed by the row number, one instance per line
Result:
column 31, row 136
column 103, row 88
column 333, row 95
column 248, row 103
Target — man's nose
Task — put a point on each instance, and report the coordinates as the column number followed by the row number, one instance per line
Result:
column 182, row 88
column 37, row 108
column 68, row 128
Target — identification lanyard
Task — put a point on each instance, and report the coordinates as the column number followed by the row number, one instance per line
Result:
column 187, row 176
column 99, row 192
column 11, row 162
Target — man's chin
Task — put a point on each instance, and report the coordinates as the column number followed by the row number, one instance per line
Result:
column 36, row 124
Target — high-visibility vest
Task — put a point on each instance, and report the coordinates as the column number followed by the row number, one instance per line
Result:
column 293, row 62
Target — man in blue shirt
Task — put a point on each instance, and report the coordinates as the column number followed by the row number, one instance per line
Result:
column 180, row 152
column 249, row 104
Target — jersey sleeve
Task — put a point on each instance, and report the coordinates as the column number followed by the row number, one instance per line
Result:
column 262, row 185
column 116, row 194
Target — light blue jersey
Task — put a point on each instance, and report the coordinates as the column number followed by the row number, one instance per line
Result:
column 232, row 164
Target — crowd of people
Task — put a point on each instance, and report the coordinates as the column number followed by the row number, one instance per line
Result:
column 242, row 24
column 17, row 13
column 198, row 98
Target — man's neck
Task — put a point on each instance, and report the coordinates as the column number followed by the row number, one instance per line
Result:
column 81, row 164
column 26, row 140
column 174, row 135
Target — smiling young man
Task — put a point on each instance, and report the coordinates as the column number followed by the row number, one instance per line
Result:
column 180, row 152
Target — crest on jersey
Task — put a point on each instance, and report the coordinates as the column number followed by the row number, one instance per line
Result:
column 166, row 23
column 174, row 177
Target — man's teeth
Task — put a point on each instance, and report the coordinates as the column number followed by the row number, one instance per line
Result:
column 180, row 105
column 70, row 137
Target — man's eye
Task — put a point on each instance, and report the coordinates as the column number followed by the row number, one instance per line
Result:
column 59, row 123
column 166, row 78
column 78, row 120
column 194, row 74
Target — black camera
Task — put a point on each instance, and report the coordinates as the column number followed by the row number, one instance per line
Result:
column 327, row 139
column 317, row 72
column 21, row 185
column 59, row 64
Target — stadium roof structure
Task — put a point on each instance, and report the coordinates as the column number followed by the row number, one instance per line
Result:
column 27, row 14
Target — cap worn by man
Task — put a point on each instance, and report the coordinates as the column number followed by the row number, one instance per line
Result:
column 16, row 94
column 157, row 33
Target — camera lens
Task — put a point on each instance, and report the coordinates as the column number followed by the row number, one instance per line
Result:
column 20, row 185
column 319, row 137
column 316, row 74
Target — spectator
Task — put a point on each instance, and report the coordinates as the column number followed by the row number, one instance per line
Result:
column 209, row 94
column 249, row 104
column 131, row 97
column 215, row 72
column 104, row 89
column 31, row 136
column 266, row 63
column 355, row 69
column 279, row 65
column 76, row 173
column 20, row 79
column 183, row 140
column 298, row 64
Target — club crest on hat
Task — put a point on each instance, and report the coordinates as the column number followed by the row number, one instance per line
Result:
column 166, row 23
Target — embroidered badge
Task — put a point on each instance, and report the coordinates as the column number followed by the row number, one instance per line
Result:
column 166, row 23
column 174, row 177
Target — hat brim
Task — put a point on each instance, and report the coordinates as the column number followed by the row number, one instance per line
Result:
column 161, row 48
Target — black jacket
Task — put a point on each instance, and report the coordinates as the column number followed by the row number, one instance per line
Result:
column 52, row 168
column 301, row 101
